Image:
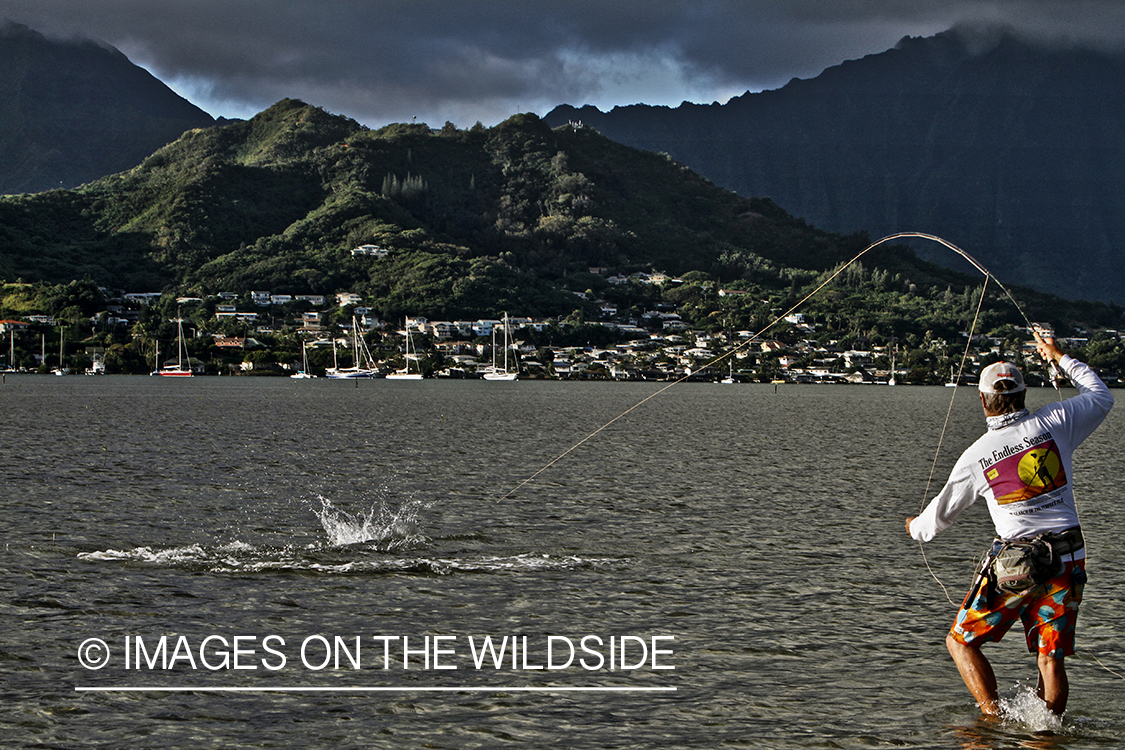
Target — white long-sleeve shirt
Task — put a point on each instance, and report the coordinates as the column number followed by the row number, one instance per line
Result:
column 1023, row 470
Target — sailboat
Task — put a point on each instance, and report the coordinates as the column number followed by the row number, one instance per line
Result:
column 729, row 379
column 405, row 373
column 182, row 369
column 891, row 380
column 303, row 373
column 494, row 373
column 356, row 370
column 60, row 370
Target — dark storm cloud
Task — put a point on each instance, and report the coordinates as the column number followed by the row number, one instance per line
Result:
column 463, row 60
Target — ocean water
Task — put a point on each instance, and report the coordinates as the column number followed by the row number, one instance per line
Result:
column 238, row 562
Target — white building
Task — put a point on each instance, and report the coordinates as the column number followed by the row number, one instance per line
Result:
column 371, row 250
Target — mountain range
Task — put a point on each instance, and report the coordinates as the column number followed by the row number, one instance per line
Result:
column 1013, row 150
column 460, row 224
column 468, row 218
column 514, row 217
column 74, row 111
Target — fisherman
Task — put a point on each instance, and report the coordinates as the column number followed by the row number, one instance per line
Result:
column 1022, row 467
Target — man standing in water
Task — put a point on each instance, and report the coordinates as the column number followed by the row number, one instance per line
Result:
column 1022, row 468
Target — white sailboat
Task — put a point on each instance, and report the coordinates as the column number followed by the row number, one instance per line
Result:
column 357, row 370
column 891, row 380
column 182, row 369
column 495, row 373
column 303, row 373
column 405, row 373
column 60, row 370
column 729, row 379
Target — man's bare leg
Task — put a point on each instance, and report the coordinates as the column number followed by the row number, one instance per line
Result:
column 1054, row 687
column 977, row 674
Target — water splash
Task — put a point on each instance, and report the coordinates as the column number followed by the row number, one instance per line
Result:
column 390, row 527
column 1028, row 710
column 170, row 556
column 425, row 565
column 245, row 558
column 355, row 544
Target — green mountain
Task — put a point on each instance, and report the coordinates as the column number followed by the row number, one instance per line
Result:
column 1013, row 150
column 473, row 222
column 73, row 111
column 468, row 217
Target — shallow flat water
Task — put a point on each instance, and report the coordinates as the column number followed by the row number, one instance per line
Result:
column 755, row 532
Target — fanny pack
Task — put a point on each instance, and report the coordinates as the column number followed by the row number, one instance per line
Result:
column 1019, row 564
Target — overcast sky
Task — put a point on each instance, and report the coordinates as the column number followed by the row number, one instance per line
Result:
column 382, row 61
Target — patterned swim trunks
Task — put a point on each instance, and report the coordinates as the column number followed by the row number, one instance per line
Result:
column 1048, row 612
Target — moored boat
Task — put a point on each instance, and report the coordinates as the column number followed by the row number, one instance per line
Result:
column 405, row 373
column 182, row 368
column 494, row 372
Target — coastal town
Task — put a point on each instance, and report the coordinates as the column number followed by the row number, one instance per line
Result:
column 267, row 333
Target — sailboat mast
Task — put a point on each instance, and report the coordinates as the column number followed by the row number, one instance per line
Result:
column 180, row 344
column 355, row 343
column 505, row 342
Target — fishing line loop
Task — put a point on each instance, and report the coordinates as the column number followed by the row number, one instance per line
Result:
column 755, row 337
column 945, row 426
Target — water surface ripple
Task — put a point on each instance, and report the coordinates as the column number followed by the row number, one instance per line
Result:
column 760, row 527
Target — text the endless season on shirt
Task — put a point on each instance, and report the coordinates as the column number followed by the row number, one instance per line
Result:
column 1011, row 450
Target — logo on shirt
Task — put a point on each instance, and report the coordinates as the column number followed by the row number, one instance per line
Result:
column 1027, row 474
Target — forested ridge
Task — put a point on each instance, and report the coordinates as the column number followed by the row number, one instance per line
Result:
column 518, row 218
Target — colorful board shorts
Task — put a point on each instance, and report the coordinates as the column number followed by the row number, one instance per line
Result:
column 1048, row 612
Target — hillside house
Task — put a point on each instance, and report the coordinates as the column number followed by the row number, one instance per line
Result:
column 443, row 329
column 484, row 327
column 310, row 323
column 7, row 326
column 313, row 299
column 372, row 251
column 142, row 298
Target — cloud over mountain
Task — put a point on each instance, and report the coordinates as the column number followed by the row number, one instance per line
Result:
column 465, row 60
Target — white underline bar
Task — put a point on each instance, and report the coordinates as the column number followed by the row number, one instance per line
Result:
column 188, row 689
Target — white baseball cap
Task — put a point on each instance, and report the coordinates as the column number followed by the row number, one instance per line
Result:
column 1001, row 371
